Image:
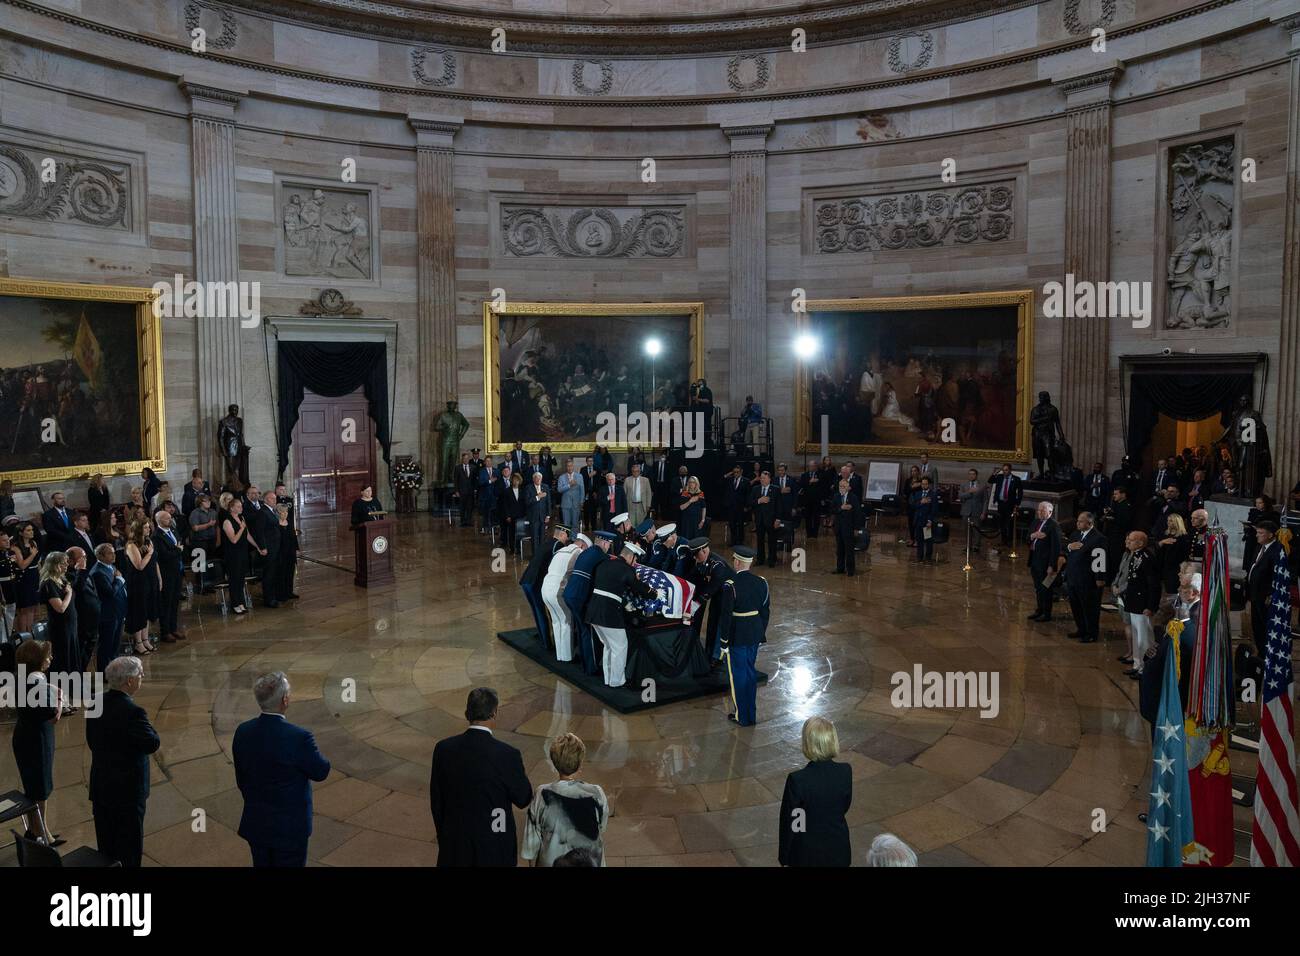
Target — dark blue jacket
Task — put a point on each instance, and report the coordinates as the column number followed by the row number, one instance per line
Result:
column 120, row 740
column 275, row 762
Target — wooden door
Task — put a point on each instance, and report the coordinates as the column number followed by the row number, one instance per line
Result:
column 334, row 450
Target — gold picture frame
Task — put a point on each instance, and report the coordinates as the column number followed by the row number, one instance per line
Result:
column 153, row 429
column 1023, row 299
column 492, row 312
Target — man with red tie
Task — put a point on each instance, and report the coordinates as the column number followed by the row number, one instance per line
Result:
column 611, row 501
column 1006, row 496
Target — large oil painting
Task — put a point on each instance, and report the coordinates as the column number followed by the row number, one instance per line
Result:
column 552, row 368
column 947, row 375
column 80, row 381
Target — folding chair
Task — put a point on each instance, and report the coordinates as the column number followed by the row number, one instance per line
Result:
column 20, row 806
column 33, row 854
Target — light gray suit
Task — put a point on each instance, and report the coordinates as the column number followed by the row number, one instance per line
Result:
column 572, row 490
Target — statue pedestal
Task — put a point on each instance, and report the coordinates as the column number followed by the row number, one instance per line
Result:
column 1060, row 498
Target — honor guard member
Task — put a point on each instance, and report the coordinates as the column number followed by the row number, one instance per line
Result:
column 661, row 551
column 577, row 594
column 552, row 591
column 531, row 581
column 745, row 607
column 622, row 525
column 611, row 582
column 644, row 535
column 708, row 572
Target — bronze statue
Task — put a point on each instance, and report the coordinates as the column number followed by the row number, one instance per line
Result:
column 230, row 439
column 1048, row 436
column 1247, row 439
column 449, row 428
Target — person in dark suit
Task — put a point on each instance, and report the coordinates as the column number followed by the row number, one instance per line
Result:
column 925, row 512
column 57, row 525
column 98, row 499
column 1006, row 498
column 362, row 510
column 196, row 487
column 511, row 505
column 611, row 501
column 537, row 508
column 171, row 564
column 1084, row 561
column 120, row 740
column 811, row 495
column 33, row 734
column 735, row 495
column 1117, row 520
column 846, row 507
column 1096, row 490
column 486, row 483
column 1166, row 474
column 1152, row 679
column 1044, row 550
column 520, row 461
column 787, row 496
column 1259, row 580
column 813, row 829
column 475, row 780
column 266, row 529
column 762, row 504
column 661, row 485
column 746, row 607
column 103, row 578
column 275, row 764
column 465, row 483
column 88, row 605
column 1169, row 502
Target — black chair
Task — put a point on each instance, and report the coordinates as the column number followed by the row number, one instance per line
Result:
column 31, row 853
column 20, row 806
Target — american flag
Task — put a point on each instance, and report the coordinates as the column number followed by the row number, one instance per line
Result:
column 1275, row 840
column 681, row 594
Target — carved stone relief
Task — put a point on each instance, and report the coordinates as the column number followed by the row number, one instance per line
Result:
column 602, row 87
column 326, row 232
column 88, row 191
column 959, row 215
column 229, row 34
column 1201, row 197
column 601, row 232
column 1103, row 10
column 910, row 51
column 432, row 67
column 744, row 78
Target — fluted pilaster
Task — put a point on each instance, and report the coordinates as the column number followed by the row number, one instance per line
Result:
column 216, row 258
column 1286, row 437
column 436, row 275
column 747, row 324
column 1085, row 342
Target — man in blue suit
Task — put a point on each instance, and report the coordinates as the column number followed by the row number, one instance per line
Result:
column 275, row 763
column 103, row 578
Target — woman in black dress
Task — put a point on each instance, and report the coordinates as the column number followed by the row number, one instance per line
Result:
column 364, row 507
column 8, row 585
column 27, row 569
column 60, row 613
column 140, row 565
column 234, row 553
column 108, row 530
column 691, row 522
column 151, row 485
column 1171, row 551
column 813, row 829
column 912, row 485
column 288, row 554
column 98, row 497
column 33, row 740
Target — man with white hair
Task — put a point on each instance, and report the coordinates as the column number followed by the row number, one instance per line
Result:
column 120, row 741
column 557, row 575
column 1044, row 549
column 889, row 850
column 275, row 763
column 611, row 582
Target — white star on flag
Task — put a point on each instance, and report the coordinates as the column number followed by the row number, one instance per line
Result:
column 1169, row 730
column 1161, row 795
column 1165, row 763
column 1159, row 831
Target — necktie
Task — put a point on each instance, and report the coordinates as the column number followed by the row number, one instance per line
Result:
column 1034, row 541
column 1006, row 488
column 765, row 491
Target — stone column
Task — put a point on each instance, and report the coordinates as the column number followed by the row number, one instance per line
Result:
column 747, row 324
column 216, row 259
column 1285, row 438
column 1085, row 342
column 436, row 276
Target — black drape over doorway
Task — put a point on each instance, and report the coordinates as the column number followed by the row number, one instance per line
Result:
column 1186, row 391
column 332, row 369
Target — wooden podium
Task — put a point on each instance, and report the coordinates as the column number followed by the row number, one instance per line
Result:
column 374, row 553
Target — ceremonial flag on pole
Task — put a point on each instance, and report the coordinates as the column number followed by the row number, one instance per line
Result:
column 1169, row 817
column 1275, row 837
column 87, row 352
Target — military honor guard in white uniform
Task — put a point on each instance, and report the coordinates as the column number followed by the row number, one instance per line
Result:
column 557, row 576
column 745, row 607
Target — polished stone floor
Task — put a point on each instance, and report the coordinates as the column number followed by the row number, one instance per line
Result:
column 686, row 786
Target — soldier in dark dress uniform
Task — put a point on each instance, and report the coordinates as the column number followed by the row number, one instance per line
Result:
column 745, row 606
column 531, row 581
column 610, row 584
column 577, row 594
column 708, row 572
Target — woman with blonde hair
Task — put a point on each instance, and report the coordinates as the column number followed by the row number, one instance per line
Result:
column 568, row 814
column 1171, row 551
column 812, row 829
column 692, row 521
column 60, row 613
column 142, row 574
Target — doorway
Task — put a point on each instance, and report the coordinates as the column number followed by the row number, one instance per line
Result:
column 334, row 447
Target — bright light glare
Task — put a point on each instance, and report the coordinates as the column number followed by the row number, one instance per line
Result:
column 653, row 347
column 806, row 346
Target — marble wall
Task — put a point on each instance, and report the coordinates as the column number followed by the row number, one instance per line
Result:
column 745, row 143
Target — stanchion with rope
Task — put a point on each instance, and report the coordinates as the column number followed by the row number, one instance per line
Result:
column 1013, row 534
column 968, row 566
